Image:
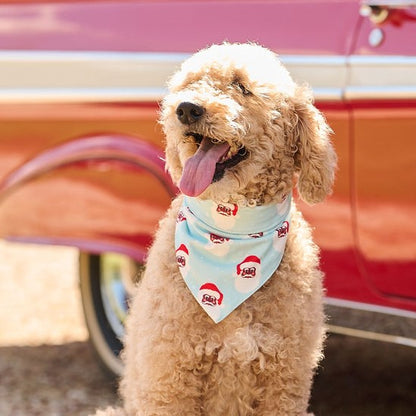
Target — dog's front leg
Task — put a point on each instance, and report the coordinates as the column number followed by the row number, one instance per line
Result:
column 161, row 355
column 161, row 376
column 288, row 375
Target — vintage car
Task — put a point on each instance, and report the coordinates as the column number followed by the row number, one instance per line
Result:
column 81, row 152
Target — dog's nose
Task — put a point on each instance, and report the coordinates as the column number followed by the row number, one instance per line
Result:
column 189, row 113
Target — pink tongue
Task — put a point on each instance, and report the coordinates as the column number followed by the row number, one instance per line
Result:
column 199, row 170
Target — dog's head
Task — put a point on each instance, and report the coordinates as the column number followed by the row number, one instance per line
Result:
column 238, row 128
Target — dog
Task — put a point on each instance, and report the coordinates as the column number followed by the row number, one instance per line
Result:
column 227, row 319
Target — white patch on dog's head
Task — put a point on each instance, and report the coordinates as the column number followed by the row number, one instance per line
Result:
column 233, row 129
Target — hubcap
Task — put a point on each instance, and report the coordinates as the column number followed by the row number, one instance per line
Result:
column 118, row 276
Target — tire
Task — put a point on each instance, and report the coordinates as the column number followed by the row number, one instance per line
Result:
column 106, row 282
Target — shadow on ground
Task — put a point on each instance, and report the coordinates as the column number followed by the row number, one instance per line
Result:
column 365, row 378
column 52, row 380
column 357, row 378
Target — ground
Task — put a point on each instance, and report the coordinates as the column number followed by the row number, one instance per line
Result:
column 47, row 366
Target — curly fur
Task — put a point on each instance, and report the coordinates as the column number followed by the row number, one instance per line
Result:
column 260, row 359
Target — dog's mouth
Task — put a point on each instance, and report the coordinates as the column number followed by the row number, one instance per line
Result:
column 208, row 164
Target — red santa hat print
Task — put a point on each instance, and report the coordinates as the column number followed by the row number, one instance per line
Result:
column 182, row 254
column 210, row 294
column 248, row 274
column 248, row 267
column 224, row 215
column 227, row 210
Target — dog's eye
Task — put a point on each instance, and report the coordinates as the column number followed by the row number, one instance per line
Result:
column 242, row 88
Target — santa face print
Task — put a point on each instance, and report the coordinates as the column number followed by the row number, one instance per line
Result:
column 211, row 298
column 248, row 274
column 182, row 258
column 224, row 215
column 283, row 206
column 181, row 217
column 256, row 235
column 181, row 261
column 280, row 236
column 218, row 245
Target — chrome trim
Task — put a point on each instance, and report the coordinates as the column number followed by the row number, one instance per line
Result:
column 381, row 77
column 407, row 92
column 372, row 335
column 28, row 76
column 343, row 303
column 84, row 95
column 41, row 76
column 371, row 321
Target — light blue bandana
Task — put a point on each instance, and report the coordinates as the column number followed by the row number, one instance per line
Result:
column 225, row 253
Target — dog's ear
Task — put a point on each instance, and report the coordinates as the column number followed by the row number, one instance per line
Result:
column 315, row 158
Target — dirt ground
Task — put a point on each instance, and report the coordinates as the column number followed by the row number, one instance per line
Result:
column 48, row 368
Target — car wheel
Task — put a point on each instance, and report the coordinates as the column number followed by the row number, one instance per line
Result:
column 106, row 283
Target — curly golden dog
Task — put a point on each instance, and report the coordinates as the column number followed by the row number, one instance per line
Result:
column 240, row 135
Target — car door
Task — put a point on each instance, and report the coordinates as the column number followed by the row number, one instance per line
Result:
column 382, row 96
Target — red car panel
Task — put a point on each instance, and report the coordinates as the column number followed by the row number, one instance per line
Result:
column 384, row 159
column 158, row 26
column 78, row 73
